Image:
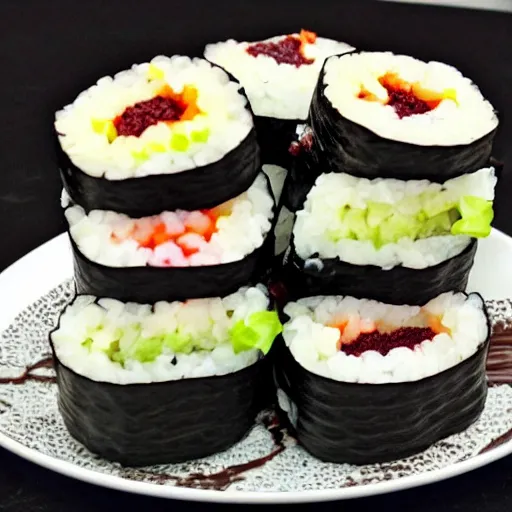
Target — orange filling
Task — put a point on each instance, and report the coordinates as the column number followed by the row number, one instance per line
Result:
column 202, row 223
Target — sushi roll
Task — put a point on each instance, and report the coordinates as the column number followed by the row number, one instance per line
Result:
column 365, row 382
column 380, row 114
column 401, row 242
column 172, row 133
column 144, row 385
column 174, row 255
column 279, row 75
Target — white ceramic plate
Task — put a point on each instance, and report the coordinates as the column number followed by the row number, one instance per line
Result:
column 34, row 289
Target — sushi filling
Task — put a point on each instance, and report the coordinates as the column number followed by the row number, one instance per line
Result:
column 164, row 116
column 107, row 340
column 167, row 107
column 226, row 233
column 289, row 50
column 384, row 342
column 279, row 74
column 408, row 100
column 353, row 340
column 388, row 222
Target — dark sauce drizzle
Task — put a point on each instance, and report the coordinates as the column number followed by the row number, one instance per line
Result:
column 28, row 375
column 221, row 480
column 499, row 360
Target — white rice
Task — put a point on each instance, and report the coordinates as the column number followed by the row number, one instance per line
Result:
column 207, row 320
column 331, row 192
column 450, row 123
column 314, row 345
column 224, row 114
column 282, row 91
column 107, row 237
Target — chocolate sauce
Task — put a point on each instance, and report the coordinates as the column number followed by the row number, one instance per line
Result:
column 221, row 480
column 499, row 360
column 504, row 438
column 27, row 375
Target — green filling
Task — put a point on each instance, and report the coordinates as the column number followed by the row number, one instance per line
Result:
column 423, row 216
column 200, row 136
column 179, row 142
column 258, row 331
column 105, row 127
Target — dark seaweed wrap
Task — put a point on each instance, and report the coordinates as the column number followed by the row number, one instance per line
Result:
column 153, row 284
column 341, row 145
column 198, row 188
column 371, row 423
column 399, row 285
column 300, row 180
column 164, row 422
column 274, row 137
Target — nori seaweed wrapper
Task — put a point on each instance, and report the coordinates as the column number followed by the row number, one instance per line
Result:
column 300, row 180
column 274, row 137
column 198, row 188
column 162, row 422
column 341, row 145
column 153, row 284
column 371, row 423
column 399, row 285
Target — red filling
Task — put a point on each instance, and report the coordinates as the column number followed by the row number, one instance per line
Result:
column 407, row 99
column 167, row 106
column 383, row 342
column 406, row 104
column 286, row 51
column 204, row 225
column 134, row 120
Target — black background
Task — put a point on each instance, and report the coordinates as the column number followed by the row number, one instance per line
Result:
column 50, row 50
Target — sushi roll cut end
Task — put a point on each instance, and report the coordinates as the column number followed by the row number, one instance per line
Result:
column 165, row 116
column 365, row 341
column 278, row 74
column 125, row 343
column 226, row 233
column 408, row 100
column 389, row 222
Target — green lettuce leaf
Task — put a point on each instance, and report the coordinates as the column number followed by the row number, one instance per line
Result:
column 148, row 349
column 179, row 343
column 257, row 332
column 476, row 217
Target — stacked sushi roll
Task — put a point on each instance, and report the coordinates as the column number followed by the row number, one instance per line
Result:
column 161, row 355
column 180, row 178
column 392, row 188
column 279, row 75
